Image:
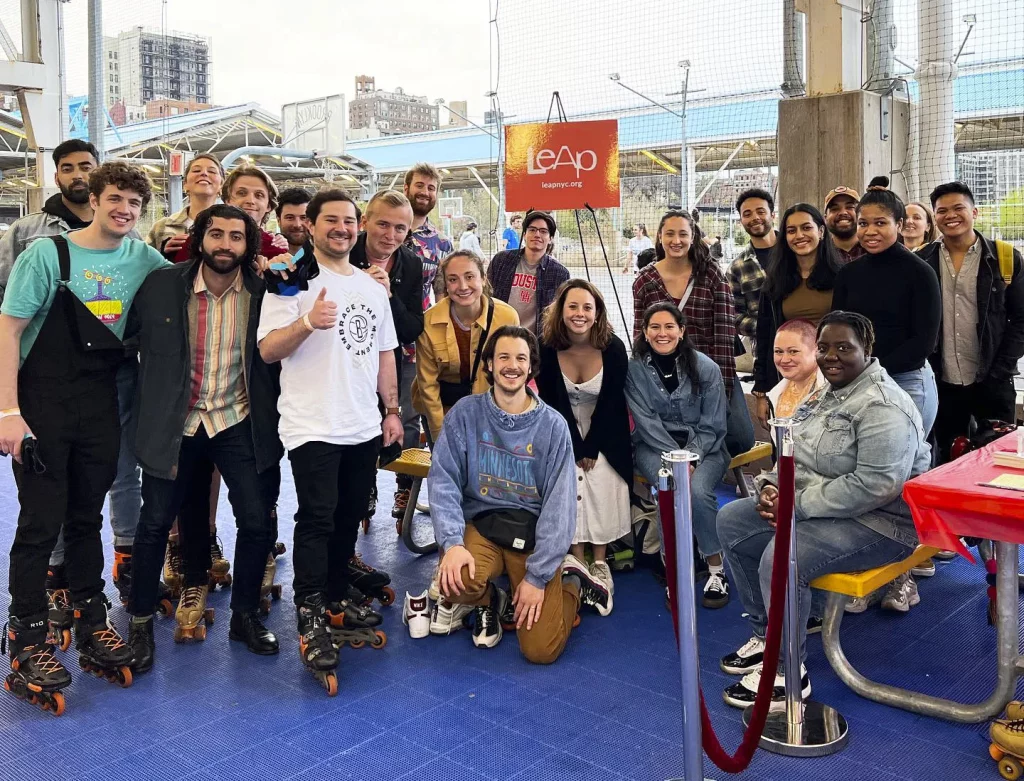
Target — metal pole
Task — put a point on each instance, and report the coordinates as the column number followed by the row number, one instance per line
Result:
column 97, row 99
column 684, row 163
column 794, row 700
column 679, row 461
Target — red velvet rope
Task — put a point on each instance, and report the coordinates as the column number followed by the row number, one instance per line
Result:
column 739, row 762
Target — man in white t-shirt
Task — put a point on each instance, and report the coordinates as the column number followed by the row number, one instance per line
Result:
column 335, row 341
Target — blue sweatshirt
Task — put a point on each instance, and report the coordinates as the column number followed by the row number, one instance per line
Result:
column 488, row 459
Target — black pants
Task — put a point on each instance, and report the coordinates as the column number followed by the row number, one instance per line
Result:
column 981, row 401
column 231, row 451
column 332, row 485
column 79, row 440
column 410, row 419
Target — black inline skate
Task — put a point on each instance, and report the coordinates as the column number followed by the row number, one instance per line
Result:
column 37, row 676
column 122, row 577
column 315, row 647
column 60, row 614
column 374, row 583
column 371, row 508
column 101, row 650
column 355, row 625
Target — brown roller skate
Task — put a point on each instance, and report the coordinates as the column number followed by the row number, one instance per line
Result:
column 192, row 615
column 173, row 567
column 219, row 566
column 269, row 590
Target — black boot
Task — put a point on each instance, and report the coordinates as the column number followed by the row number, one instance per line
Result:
column 140, row 638
column 247, row 628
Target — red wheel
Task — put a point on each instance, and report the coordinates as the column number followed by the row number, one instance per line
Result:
column 387, row 596
column 200, row 633
column 165, row 607
column 124, row 676
column 65, row 639
column 379, row 639
column 58, row 704
column 357, row 643
column 331, row 684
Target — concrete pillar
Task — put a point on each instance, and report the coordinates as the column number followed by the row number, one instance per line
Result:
column 833, row 46
column 938, row 35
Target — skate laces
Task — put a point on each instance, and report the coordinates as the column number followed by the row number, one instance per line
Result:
column 44, row 659
column 174, row 556
column 108, row 636
column 1015, row 726
column 215, row 549
column 192, row 597
column 357, row 562
column 59, row 599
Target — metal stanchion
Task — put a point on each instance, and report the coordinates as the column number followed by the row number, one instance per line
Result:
column 805, row 728
column 676, row 467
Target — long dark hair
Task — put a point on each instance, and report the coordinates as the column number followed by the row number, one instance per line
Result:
column 253, row 236
column 685, row 354
column 783, row 274
column 699, row 253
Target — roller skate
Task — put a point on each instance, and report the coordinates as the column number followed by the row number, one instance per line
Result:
column 372, row 582
column 122, row 577
column 315, row 647
column 192, row 615
column 1008, row 747
column 101, row 650
column 37, row 676
column 354, row 625
column 269, row 590
column 219, row 566
column 60, row 614
column 398, row 509
column 140, row 638
column 371, row 508
column 173, row 568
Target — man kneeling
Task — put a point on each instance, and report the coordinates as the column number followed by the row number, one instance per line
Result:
column 502, row 500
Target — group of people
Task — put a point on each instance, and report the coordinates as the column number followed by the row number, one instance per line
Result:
column 209, row 350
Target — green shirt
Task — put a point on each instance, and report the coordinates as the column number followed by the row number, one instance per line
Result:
column 106, row 281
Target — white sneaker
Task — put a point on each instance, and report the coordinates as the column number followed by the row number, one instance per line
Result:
column 913, row 597
column 743, row 694
column 601, row 571
column 446, row 617
column 416, row 615
column 897, row 596
column 434, row 590
column 856, row 605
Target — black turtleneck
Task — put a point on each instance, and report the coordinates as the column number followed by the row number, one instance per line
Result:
column 899, row 293
column 667, row 367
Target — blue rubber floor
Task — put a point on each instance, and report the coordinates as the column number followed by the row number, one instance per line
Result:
column 438, row 708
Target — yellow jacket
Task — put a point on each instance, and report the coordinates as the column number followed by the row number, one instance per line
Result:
column 437, row 356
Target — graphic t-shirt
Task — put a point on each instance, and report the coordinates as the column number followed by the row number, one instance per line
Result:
column 523, row 295
column 510, row 236
column 329, row 384
column 106, row 281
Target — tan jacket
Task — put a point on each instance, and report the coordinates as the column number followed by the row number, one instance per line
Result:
column 437, row 356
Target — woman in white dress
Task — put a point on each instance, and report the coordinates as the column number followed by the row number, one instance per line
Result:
column 583, row 375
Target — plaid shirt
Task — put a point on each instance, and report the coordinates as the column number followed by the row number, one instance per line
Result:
column 550, row 275
column 709, row 314
column 745, row 278
column 432, row 248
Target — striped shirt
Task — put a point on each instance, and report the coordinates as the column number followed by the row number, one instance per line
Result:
column 216, row 333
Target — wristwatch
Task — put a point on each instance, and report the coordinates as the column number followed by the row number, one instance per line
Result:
column 393, row 411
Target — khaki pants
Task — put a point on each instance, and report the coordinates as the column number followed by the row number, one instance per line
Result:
column 544, row 643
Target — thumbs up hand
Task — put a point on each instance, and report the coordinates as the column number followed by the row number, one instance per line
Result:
column 324, row 314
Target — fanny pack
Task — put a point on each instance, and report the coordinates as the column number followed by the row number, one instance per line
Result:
column 512, row 529
column 451, row 392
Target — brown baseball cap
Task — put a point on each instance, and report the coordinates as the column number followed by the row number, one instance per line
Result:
column 841, row 190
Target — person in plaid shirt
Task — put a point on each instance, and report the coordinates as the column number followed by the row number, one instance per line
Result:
column 686, row 276
column 756, row 208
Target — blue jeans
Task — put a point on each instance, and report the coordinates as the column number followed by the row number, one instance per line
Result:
column 824, row 546
column 739, row 433
column 703, row 499
column 920, row 386
column 126, row 492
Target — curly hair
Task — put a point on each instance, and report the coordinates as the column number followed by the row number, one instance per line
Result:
column 253, row 236
column 123, row 177
column 860, row 325
column 699, row 254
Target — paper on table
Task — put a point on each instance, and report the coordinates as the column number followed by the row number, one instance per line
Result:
column 1006, row 480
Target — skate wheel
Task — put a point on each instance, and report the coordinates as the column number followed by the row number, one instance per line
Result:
column 124, row 676
column 65, row 639
column 7, row 684
column 576, row 621
column 208, row 615
column 57, row 704
column 179, row 634
column 387, row 596
column 995, row 752
column 200, row 632
column 275, row 592
column 279, row 549
column 366, row 525
column 226, row 583
column 379, row 639
column 357, row 643
column 165, row 607
column 331, row 684
column 1010, row 768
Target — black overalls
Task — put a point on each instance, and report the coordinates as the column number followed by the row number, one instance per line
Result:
column 68, row 397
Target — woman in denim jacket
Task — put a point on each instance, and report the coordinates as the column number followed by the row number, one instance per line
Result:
column 677, row 398
column 856, row 444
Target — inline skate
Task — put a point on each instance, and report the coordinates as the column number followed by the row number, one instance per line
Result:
column 371, row 508
column 36, row 676
column 355, row 625
column 192, row 615
column 315, row 647
column 219, row 566
column 122, row 577
column 101, row 650
column 374, row 583
column 60, row 614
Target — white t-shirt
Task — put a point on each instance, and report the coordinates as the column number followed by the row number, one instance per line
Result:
column 329, row 384
column 638, row 244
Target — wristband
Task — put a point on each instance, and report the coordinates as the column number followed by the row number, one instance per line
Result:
column 307, row 324
column 10, row 413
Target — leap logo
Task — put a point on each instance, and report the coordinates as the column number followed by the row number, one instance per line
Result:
column 562, row 165
column 548, row 160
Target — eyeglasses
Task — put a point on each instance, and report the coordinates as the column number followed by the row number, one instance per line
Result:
column 538, row 231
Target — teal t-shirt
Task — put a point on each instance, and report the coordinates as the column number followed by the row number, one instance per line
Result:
column 106, row 281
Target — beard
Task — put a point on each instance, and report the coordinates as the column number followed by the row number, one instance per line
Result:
column 296, row 236
column 421, row 209
column 842, row 233
column 758, row 231
column 222, row 262
column 77, row 193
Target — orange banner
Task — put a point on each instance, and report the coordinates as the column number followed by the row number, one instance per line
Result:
column 562, row 165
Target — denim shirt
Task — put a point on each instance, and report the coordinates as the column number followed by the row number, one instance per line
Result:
column 662, row 420
column 855, row 447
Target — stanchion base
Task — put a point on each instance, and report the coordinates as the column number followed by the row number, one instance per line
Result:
column 824, row 731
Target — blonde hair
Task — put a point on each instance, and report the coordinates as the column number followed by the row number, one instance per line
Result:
column 425, row 170
column 464, row 253
column 258, row 173
column 389, row 198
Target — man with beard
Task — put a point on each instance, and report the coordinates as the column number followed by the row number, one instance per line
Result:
column 502, row 500
column 422, row 183
column 841, row 220
column 756, row 208
column 206, row 396
column 291, row 217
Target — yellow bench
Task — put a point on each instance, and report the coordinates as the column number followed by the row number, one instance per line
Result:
column 862, row 584
column 744, row 481
column 414, row 463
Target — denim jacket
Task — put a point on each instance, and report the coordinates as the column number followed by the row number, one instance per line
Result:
column 662, row 421
column 855, row 447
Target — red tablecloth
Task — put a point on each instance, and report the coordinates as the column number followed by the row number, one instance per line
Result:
column 948, row 503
